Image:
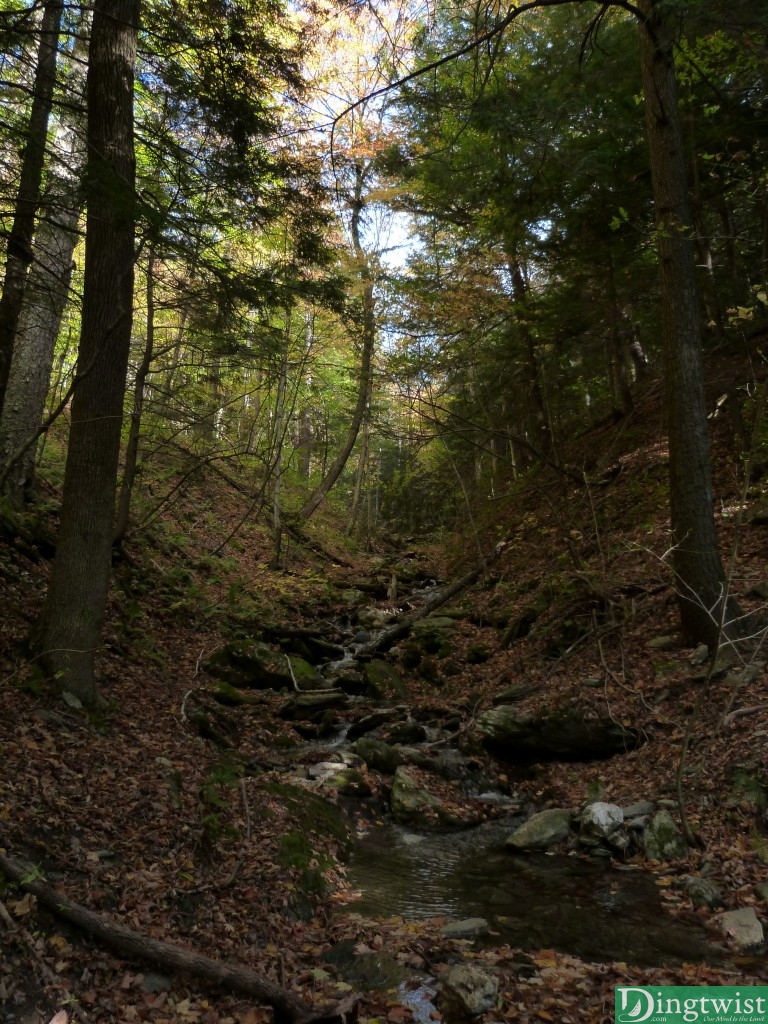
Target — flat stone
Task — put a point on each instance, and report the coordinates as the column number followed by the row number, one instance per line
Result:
column 465, row 929
column 742, row 927
column 638, row 810
column 662, row 643
column 545, row 829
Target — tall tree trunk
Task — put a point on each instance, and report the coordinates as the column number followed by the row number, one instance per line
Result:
column 46, row 292
column 362, row 467
column 542, row 434
column 277, row 448
column 696, row 559
column 366, row 361
column 134, row 432
column 19, row 254
column 75, row 606
column 621, row 339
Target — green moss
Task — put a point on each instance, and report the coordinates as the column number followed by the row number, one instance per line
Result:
column 311, row 814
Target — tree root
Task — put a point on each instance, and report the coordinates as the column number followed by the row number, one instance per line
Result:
column 287, row 1008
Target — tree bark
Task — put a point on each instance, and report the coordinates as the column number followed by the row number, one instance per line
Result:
column 46, row 291
column 134, row 432
column 695, row 556
column 73, row 614
column 19, row 254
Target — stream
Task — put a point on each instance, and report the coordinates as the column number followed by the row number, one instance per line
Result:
column 573, row 904
column 581, row 905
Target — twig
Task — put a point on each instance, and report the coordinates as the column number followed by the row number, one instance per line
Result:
column 230, row 880
column 293, row 677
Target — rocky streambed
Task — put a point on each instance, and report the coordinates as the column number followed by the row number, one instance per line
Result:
column 456, row 843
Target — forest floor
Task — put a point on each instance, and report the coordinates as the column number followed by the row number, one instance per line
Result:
column 133, row 815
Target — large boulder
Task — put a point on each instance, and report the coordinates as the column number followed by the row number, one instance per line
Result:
column 433, row 633
column 251, row 664
column 312, row 706
column 542, row 830
column 383, row 680
column 520, row 738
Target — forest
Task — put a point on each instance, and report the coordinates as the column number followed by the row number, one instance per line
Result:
column 383, row 504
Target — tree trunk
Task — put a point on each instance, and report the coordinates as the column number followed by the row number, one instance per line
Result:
column 75, row 606
column 277, row 448
column 45, row 294
column 362, row 467
column 542, row 434
column 696, row 559
column 366, row 362
column 134, row 432
column 19, row 254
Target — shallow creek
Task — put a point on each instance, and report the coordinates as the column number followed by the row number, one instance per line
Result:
column 576, row 905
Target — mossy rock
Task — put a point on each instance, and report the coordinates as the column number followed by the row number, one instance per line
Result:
column 251, row 664
column 311, row 814
column 383, row 680
column 410, row 803
column 365, row 971
column 349, row 782
column 378, row 755
column 477, row 654
column 662, row 839
column 231, row 697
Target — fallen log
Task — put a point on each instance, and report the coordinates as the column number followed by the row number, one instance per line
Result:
column 287, row 1008
column 388, row 636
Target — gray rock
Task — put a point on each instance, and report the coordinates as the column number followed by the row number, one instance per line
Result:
column 466, row 929
column 662, row 839
column 742, row 927
column 545, row 829
column 312, row 706
column 465, row 992
column 601, row 819
column 662, row 643
column 619, row 841
column 378, row 755
column 370, row 722
column 703, row 893
column 700, row 655
column 639, row 810
column 761, row 891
